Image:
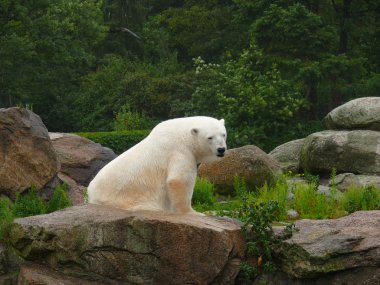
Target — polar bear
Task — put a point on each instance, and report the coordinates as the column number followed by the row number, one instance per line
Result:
column 159, row 173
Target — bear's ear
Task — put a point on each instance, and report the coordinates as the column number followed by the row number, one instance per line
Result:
column 194, row 131
column 221, row 121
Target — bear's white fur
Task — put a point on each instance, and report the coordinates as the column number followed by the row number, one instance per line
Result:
column 159, row 173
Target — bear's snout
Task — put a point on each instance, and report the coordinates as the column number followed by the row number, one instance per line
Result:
column 221, row 151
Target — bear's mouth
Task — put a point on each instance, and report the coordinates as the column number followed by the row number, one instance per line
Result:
column 220, row 154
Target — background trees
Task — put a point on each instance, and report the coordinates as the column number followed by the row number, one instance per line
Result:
column 271, row 68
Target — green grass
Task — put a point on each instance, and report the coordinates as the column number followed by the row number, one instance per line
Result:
column 306, row 200
column 355, row 199
column 203, row 192
column 313, row 205
column 6, row 218
column 59, row 200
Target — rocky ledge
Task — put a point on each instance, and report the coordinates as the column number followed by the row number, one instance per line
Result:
column 112, row 246
column 340, row 251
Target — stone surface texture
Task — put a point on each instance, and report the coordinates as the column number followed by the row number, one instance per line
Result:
column 322, row 248
column 27, row 156
column 288, row 155
column 114, row 246
column 355, row 151
column 248, row 162
column 80, row 158
column 361, row 113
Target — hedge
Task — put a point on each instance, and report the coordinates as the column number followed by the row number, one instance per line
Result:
column 117, row 141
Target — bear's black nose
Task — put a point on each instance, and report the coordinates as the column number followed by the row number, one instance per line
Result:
column 221, row 150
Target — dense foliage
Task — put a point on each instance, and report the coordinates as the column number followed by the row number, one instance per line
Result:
column 30, row 204
column 117, row 141
column 271, row 68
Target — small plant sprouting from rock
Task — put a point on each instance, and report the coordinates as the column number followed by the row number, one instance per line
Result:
column 258, row 218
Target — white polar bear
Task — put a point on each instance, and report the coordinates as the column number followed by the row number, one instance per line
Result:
column 159, row 173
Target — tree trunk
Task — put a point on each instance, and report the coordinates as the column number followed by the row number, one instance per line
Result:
column 343, row 36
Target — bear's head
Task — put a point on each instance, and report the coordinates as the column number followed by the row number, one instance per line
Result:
column 210, row 140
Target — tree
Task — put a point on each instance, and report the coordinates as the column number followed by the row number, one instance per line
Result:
column 257, row 103
column 47, row 46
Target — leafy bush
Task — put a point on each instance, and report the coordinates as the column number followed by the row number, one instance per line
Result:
column 117, row 141
column 277, row 192
column 127, row 120
column 258, row 231
column 59, row 200
column 29, row 205
column 203, row 192
column 356, row 199
column 243, row 91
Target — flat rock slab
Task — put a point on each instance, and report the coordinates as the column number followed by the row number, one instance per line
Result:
column 323, row 247
column 114, row 246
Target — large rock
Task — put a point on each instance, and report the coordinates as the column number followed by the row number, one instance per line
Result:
column 115, row 246
column 42, row 275
column 347, row 151
column 27, row 156
column 344, row 181
column 369, row 180
column 81, row 159
column 248, row 162
column 361, row 113
column 288, row 155
column 341, row 251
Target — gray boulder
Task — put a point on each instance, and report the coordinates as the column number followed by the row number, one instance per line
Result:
column 288, row 155
column 344, row 181
column 347, row 151
column 114, row 246
column 340, row 251
column 369, row 180
column 27, row 156
column 81, row 159
column 361, row 113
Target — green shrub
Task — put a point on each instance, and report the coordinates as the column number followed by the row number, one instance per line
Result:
column 258, row 231
column 127, row 120
column 203, row 192
column 59, row 200
column 240, row 186
column 29, row 205
column 356, row 199
column 6, row 218
column 277, row 192
column 117, row 141
column 313, row 205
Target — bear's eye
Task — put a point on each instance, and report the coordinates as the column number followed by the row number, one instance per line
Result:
column 224, row 135
column 210, row 138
